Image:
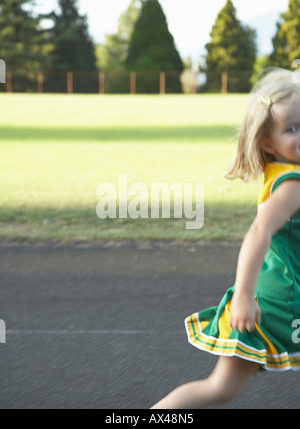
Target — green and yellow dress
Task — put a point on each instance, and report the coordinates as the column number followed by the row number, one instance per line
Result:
column 275, row 343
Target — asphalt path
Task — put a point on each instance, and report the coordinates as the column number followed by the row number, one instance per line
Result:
column 101, row 325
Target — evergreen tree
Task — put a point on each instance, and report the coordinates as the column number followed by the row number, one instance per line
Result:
column 23, row 44
column 152, row 49
column 73, row 48
column 260, row 65
column 113, row 54
column 232, row 49
column 286, row 46
column 117, row 44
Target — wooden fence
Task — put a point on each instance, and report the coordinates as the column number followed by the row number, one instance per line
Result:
column 101, row 83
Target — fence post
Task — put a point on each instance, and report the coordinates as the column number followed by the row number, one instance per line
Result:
column 40, row 82
column 224, row 83
column 162, row 83
column 132, row 83
column 9, row 78
column 101, row 82
column 70, row 83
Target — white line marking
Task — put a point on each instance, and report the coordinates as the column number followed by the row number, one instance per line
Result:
column 75, row 332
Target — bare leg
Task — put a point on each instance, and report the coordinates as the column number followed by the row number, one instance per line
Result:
column 224, row 384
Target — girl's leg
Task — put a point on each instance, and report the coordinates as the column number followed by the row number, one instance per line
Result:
column 224, row 384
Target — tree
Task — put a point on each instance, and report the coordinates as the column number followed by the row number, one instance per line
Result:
column 260, row 65
column 23, row 44
column 232, row 49
column 152, row 49
column 113, row 54
column 286, row 47
column 74, row 49
column 117, row 45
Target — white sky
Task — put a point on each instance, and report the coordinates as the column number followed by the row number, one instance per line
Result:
column 190, row 21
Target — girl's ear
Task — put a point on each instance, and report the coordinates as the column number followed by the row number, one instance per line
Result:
column 267, row 146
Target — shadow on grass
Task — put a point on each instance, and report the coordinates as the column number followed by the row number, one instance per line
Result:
column 222, row 221
column 121, row 134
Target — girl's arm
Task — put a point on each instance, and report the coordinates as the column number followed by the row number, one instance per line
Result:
column 282, row 204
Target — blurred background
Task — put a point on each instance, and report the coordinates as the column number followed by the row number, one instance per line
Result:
column 71, row 119
column 154, row 90
column 63, row 45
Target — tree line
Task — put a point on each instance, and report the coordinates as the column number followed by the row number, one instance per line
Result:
column 142, row 43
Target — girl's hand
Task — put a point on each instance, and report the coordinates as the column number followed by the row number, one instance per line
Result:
column 244, row 312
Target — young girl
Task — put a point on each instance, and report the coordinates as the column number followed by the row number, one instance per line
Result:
column 255, row 325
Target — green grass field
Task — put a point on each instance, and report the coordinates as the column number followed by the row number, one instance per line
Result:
column 56, row 149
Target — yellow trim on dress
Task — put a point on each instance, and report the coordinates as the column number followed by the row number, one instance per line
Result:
column 272, row 171
column 225, row 346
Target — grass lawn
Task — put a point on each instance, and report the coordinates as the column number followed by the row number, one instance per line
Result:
column 56, row 149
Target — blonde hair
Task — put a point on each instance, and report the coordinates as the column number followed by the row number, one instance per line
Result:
column 251, row 159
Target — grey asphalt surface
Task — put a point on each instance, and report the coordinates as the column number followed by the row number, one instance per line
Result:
column 102, row 325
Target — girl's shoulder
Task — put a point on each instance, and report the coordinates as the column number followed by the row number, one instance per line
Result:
column 275, row 174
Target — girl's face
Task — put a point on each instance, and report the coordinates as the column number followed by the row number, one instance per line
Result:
column 284, row 138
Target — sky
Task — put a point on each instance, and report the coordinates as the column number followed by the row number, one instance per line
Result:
column 190, row 21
